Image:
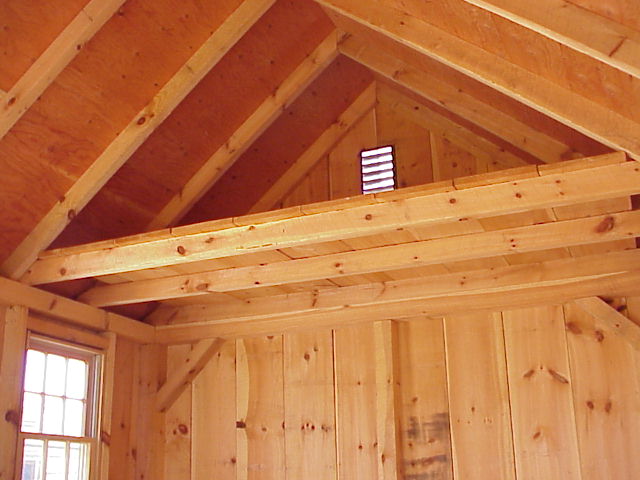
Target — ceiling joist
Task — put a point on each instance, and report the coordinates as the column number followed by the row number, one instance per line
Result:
column 134, row 134
column 247, row 133
column 549, row 98
column 565, row 183
column 53, row 60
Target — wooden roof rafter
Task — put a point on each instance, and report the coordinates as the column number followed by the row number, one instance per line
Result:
column 549, row 98
column 309, row 69
column 53, row 60
column 401, row 72
column 365, row 102
column 575, row 27
column 134, row 134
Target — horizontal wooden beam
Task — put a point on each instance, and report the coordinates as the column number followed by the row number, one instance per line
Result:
column 578, row 28
column 617, row 322
column 186, row 373
column 531, row 238
column 53, row 60
column 15, row 293
column 549, row 98
column 248, row 132
column 365, row 102
column 133, row 135
column 521, row 295
column 455, row 100
column 474, row 281
column 327, row 221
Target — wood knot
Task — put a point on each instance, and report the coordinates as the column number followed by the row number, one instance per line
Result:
column 11, row 101
column 599, row 336
column 607, row 406
column 574, row 328
column 13, row 417
column 241, row 424
column 452, row 201
column 183, row 429
column 590, row 405
column 518, row 195
column 307, row 357
column 63, row 271
column 606, row 225
column 181, row 250
column 141, row 120
column 202, row 287
column 368, row 216
column 529, row 374
column 71, row 214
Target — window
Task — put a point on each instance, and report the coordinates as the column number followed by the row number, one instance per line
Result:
column 59, row 411
column 378, row 169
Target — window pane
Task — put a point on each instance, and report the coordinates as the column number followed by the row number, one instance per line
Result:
column 31, row 412
column 34, row 372
column 56, row 461
column 76, row 379
column 56, row 372
column 74, row 418
column 78, row 457
column 33, row 459
column 53, row 411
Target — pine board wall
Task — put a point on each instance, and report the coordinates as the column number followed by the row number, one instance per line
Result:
column 540, row 393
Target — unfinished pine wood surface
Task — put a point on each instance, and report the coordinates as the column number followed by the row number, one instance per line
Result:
column 214, row 418
column 138, row 129
column 182, row 374
column 615, row 321
column 246, row 134
column 53, row 60
column 260, row 417
column 575, row 27
column 178, row 423
column 485, row 280
column 71, row 311
column 291, row 227
column 479, row 403
column 539, row 374
column 606, row 395
column 424, row 424
column 356, row 415
column 321, row 147
column 534, row 89
column 309, row 399
column 428, row 252
column 122, row 439
column 482, row 114
column 106, row 404
column 13, row 327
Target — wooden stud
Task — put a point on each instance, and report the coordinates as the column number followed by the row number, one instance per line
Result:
column 106, row 405
column 13, row 327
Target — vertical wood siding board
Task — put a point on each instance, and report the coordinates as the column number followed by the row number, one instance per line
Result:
column 564, row 461
column 335, row 403
column 242, row 395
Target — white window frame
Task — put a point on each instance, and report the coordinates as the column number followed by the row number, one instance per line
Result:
column 95, row 360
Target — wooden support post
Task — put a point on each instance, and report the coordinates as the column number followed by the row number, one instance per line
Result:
column 13, row 327
column 182, row 377
column 617, row 322
column 106, row 407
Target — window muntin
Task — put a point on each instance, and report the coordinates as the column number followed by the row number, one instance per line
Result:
column 378, row 172
column 59, row 411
